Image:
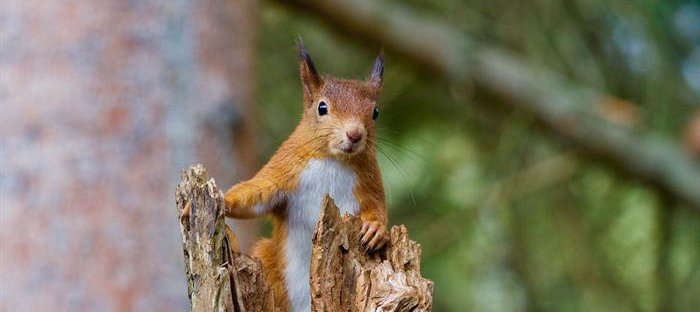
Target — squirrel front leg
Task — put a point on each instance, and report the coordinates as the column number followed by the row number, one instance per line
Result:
column 252, row 198
column 373, row 215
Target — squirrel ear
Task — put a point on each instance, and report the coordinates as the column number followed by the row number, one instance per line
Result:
column 377, row 76
column 307, row 70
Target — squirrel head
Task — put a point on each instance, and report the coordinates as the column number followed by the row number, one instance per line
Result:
column 341, row 113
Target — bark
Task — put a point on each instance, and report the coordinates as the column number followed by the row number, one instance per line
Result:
column 344, row 277
column 563, row 109
column 101, row 104
column 203, row 238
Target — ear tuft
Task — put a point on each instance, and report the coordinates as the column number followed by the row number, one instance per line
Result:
column 376, row 78
column 307, row 69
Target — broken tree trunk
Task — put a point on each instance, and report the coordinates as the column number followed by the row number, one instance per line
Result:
column 203, row 231
column 219, row 278
column 344, row 277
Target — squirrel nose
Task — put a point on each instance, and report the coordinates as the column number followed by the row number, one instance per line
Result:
column 354, row 136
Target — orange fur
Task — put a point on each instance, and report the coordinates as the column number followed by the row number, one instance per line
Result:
column 350, row 100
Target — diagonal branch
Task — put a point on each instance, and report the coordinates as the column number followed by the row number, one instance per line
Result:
column 564, row 109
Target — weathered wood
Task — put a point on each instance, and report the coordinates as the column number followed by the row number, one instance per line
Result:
column 344, row 277
column 252, row 292
column 219, row 278
column 203, row 232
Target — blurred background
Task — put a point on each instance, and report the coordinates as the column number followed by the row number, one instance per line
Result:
column 544, row 153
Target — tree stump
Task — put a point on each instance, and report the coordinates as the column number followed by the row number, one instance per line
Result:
column 344, row 277
column 203, row 232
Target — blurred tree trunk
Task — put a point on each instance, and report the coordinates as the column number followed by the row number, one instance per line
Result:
column 104, row 102
column 228, row 53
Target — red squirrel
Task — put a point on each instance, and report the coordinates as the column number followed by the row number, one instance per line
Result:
column 332, row 152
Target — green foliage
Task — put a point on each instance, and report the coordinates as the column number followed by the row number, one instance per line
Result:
column 509, row 220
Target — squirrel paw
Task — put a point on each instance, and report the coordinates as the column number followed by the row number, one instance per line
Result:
column 373, row 235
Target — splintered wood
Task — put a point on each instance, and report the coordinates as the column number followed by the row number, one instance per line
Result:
column 219, row 278
column 203, row 231
column 344, row 277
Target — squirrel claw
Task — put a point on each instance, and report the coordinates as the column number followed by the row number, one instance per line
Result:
column 373, row 236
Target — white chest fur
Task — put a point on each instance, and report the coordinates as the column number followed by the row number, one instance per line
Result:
column 320, row 177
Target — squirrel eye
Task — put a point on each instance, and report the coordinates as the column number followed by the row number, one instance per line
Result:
column 322, row 108
column 375, row 114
